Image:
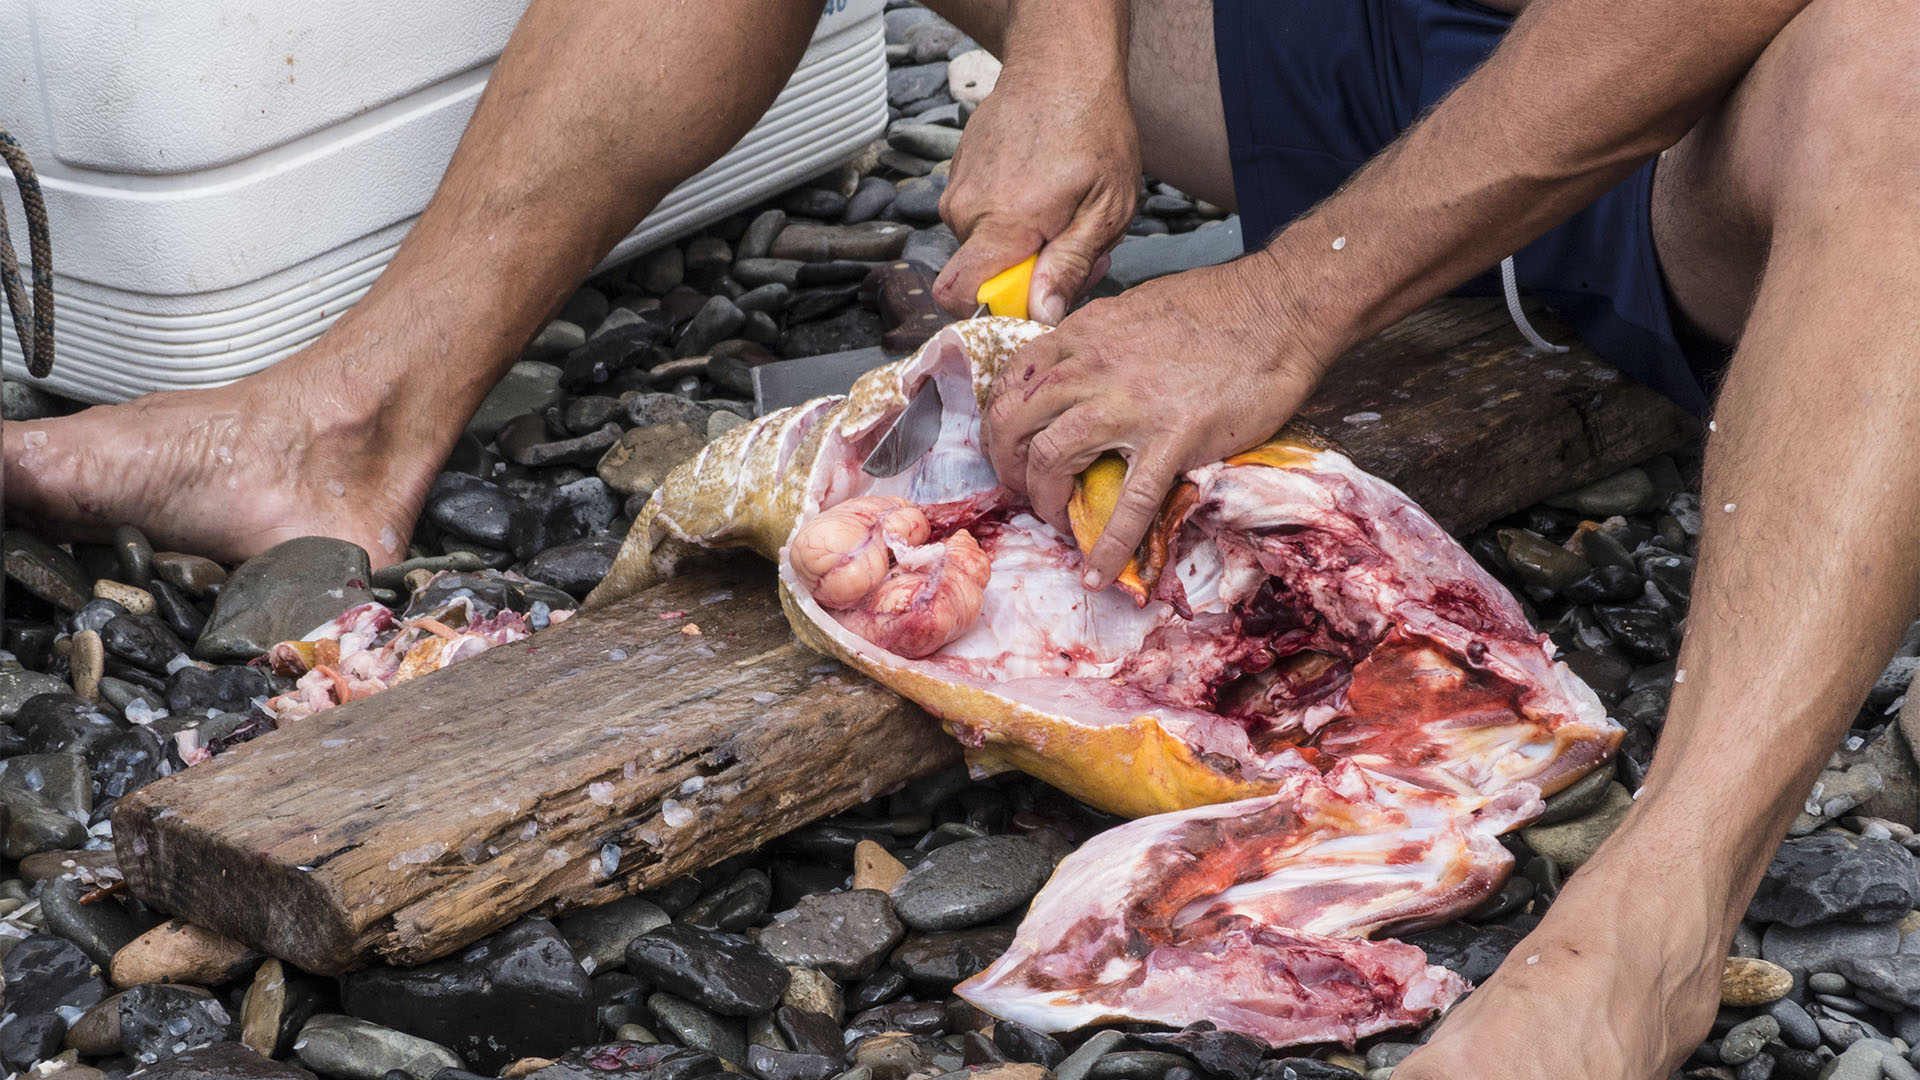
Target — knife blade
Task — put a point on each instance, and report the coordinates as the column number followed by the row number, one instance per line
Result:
column 918, row 427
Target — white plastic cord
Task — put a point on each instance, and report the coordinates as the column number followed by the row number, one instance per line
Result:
column 1511, row 284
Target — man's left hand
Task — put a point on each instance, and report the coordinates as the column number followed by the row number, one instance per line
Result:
column 1178, row 373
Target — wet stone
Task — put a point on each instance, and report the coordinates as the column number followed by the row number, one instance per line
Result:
column 845, row 935
column 44, row 975
column 1540, row 562
column 128, row 763
column 600, row 934
column 722, row 972
column 142, row 640
column 178, row 951
column 943, row 959
column 220, row 1061
column 99, row 929
column 933, row 142
column 1747, row 1039
column 913, row 1017
column 1472, row 952
column 817, row 203
column 97, row 1032
column 357, row 1050
column 1572, row 842
column 158, row 1022
column 224, row 688
column 1603, row 585
column 971, row 882
column 717, row 320
column 191, row 574
column 1827, row 877
column 581, row 450
column 1136, row 1065
column 849, row 330
column 34, row 825
column 897, row 1056
column 62, row 722
column 276, row 1006
column 519, row 993
column 282, row 594
column 1629, row 491
column 179, row 613
column 698, row 1027
column 643, row 457
column 18, row 686
column 809, row 1032
column 628, row 1059
column 873, row 241
column 50, row 573
column 770, row 1064
column 918, row 199
column 811, row 991
column 134, row 554
column 1644, row 634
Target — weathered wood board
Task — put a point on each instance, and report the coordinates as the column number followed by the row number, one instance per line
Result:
column 1456, row 409
column 540, row 775
column 602, row 755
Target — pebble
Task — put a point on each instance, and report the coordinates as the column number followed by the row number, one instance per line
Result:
column 935, row 142
column 34, row 824
column 809, row 1032
column 1796, row 1027
column 18, row 686
column 97, row 1032
column 142, row 640
column 1540, row 562
column 1822, row 947
column 282, row 594
column 873, row 241
column 942, row 959
column 1577, row 799
column 1078, row 1064
column 845, row 935
column 1141, row 259
column 972, row 75
column 134, row 554
column 1895, row 978
column 218, row 1061
column 177, row 951
column 44, row 975
column 724, row 1037
column 1472, row 952
column 1828, row 877
column 528, row 386
column 640, row 461
column 100, row 929
column 357, row 1050
column 191, row 574
column 874, row 867
column 734, row 906
column 1571, row 843
column 918, row 199
column 1603, row 585
column 136, row 601
column 179, row 613
column 723, row 972
column 89, row 663
column 1747, row 1039
column 46, row 571
column 519, row 993
column 971, row 882
column 599, row 935
column 717, row 320
column 158, row 1022
column 1629, row 491
column 1861, row 1061
column 1747, row 982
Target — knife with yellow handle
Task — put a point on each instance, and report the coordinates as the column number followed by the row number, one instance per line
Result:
column 918, row 427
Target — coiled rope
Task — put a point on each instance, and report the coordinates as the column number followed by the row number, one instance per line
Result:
column 32, row 323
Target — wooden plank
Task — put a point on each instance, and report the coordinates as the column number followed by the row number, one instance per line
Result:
column 401, row 827
column 397, row 828
column 1474, row 423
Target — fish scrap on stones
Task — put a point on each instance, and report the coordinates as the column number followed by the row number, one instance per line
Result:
column 1322, row 711
column 370, row 647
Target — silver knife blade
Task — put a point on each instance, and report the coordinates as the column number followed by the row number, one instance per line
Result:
column 913, row 433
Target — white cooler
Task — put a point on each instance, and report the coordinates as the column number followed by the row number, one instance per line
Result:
column 224, row 177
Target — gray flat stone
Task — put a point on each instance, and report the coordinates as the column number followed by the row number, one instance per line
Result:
column 282, row 594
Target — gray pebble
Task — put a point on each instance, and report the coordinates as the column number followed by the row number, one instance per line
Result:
column 1797, row 1029
column 1080, row 1062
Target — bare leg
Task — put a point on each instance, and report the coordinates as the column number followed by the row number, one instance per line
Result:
column 1807, row 170
column 592, row 116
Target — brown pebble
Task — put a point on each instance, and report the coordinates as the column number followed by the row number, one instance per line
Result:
column 89, row 662
column 874, row 867
column 418, row 579
column 97, row 1032
column 262, row 1008
column 1908, row 923
column 1747, row 982
column 50, row 864
column 190, row 574
column 179, row 952
column 524, row 1067
column 136, row 601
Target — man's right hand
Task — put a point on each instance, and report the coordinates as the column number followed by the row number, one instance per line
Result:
column 1050, row 164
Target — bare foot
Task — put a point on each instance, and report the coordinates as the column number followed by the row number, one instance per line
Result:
column 227, row 472
column 1610, row 986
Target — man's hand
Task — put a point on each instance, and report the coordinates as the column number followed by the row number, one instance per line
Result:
column 1178, row 373
column 1049, row 164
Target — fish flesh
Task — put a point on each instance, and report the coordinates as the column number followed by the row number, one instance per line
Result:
column 1322, row 711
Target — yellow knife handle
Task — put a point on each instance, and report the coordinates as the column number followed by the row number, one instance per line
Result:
column 1005, row 293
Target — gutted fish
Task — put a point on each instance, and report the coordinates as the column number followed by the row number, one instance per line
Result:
column 1322, row 709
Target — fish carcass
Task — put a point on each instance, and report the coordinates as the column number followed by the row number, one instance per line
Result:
column 1322, row 711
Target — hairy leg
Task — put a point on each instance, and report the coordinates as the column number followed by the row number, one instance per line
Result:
column 1804, row 182
column 591, row 117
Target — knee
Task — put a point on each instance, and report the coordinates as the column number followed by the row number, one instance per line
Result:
column 1847, row 101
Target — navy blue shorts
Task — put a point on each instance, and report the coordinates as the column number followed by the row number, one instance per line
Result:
column 1314, row 88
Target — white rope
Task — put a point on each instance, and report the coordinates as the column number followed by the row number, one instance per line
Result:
column 1510, row 282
